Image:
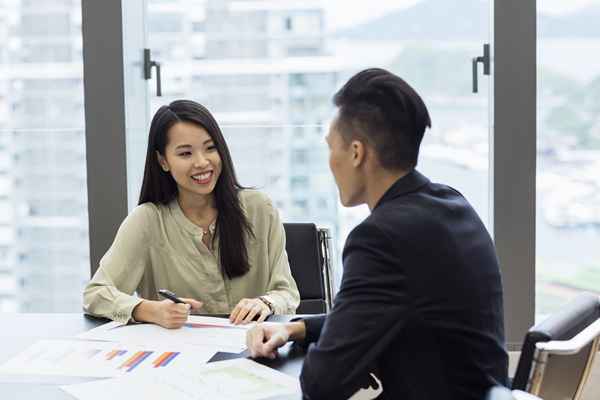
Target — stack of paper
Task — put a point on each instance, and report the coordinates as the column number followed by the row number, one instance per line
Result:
column 215, row 333
column 239, row 379
column 101, row 359
column 148, row 361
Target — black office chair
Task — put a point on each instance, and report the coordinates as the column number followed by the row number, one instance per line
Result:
column 557, row 354
column 308, row 249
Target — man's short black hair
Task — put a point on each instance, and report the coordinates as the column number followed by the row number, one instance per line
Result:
column 382, row 109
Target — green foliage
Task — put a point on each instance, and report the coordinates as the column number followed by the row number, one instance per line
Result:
column 576, row 110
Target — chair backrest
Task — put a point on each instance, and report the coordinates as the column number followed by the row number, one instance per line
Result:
column 557, row 353
column 308, row 250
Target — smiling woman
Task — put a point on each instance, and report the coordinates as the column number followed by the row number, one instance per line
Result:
column 196, row 231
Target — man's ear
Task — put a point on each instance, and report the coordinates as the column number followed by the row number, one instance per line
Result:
column 163, row 162
column 359, row 151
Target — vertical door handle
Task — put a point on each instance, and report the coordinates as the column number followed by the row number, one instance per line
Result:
column 148, row 64
column 485, row 60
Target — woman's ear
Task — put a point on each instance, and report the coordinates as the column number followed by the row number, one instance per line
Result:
column 163, row 162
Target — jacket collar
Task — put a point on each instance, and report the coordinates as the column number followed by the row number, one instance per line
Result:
column 407, row 184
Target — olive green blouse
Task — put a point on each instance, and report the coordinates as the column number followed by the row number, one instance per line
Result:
column 158, row 247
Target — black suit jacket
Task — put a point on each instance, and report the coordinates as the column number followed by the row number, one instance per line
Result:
column 420, row 303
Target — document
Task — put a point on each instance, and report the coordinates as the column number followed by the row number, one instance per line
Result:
column 239, row 379
column 217, row 334
column 101, row 359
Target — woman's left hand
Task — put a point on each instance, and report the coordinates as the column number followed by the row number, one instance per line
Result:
column 247, row 309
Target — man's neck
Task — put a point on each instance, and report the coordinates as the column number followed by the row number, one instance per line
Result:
column 379, row 183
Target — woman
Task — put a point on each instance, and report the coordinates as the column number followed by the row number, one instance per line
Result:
column 196, row 232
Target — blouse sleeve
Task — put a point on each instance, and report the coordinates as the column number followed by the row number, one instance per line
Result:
column 110, row 293
column 282, row 291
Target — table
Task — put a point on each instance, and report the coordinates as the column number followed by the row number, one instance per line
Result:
column 18, row 331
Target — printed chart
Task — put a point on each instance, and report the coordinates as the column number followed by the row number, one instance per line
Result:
column 239, row 379
column 100, row 359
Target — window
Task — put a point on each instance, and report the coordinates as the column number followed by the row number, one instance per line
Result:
column 268, row 71
column 45, row 238
column 568, row 154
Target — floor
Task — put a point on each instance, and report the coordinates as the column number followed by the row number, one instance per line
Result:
column 592, row 389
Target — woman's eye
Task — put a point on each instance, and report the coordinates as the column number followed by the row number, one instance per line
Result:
column 211, row 148
column 185, row 154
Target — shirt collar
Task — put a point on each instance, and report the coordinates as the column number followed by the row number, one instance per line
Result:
column 185, row 222
column 407, row 184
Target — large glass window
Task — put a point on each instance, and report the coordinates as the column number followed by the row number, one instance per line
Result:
column 44, row 250
column 268, row 71
column 568, row 178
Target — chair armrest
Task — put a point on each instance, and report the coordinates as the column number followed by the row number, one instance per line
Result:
column 574, row 345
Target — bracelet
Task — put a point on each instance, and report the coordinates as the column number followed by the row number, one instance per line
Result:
column 268, row 303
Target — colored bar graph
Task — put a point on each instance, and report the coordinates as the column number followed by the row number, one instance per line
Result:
column 131, row 360
column 115, row 353
column 135, row 360
column 160, row 359
column 165, row 359
column 168, row 360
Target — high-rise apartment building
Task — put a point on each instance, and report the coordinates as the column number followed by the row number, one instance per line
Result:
column 48, row 170
column 8, row 288
column 262, row 67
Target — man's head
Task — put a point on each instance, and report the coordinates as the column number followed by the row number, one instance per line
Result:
column 378, row 129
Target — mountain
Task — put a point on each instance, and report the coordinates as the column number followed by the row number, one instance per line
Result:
column 583, row 23
column 447, row 20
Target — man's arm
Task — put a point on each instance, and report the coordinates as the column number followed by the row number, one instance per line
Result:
column 369, row 313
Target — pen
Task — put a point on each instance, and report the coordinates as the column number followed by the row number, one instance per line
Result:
column 167, row 294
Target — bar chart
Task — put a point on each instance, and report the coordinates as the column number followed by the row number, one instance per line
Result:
column 100, row 359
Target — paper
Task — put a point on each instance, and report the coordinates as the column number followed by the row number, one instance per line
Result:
column 217, row 334
column 101, row 359
column 239, row 379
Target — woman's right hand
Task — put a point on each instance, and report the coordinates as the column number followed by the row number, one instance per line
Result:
column 171, row 315
column 165, row 313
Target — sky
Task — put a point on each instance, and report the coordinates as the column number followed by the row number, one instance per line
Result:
column 343, row 13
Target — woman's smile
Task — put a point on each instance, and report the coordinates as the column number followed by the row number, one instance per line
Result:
column 203, row 178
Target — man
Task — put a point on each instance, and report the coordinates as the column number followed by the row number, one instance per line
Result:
column 420, row 303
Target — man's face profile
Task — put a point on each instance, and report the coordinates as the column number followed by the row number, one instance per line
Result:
column 342, row 163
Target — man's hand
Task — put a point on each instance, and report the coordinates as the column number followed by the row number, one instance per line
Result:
column 245, row 311
column 264, row 339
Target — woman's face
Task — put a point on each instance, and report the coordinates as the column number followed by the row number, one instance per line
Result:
column 192, row 159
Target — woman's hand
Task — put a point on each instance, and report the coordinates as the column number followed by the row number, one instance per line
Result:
column 165, row 313
column 247, row 309
column 171, row 315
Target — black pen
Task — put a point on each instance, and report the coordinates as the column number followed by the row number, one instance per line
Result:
column 167, row 294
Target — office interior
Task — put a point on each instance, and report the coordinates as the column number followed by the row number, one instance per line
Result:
column 513, row 88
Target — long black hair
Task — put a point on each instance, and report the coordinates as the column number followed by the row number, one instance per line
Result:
column 159, row 186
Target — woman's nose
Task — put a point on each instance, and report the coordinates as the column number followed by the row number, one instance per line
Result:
column 200, row 161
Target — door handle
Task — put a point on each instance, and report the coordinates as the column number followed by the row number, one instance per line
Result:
column 485, row 60
column 148, row 65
